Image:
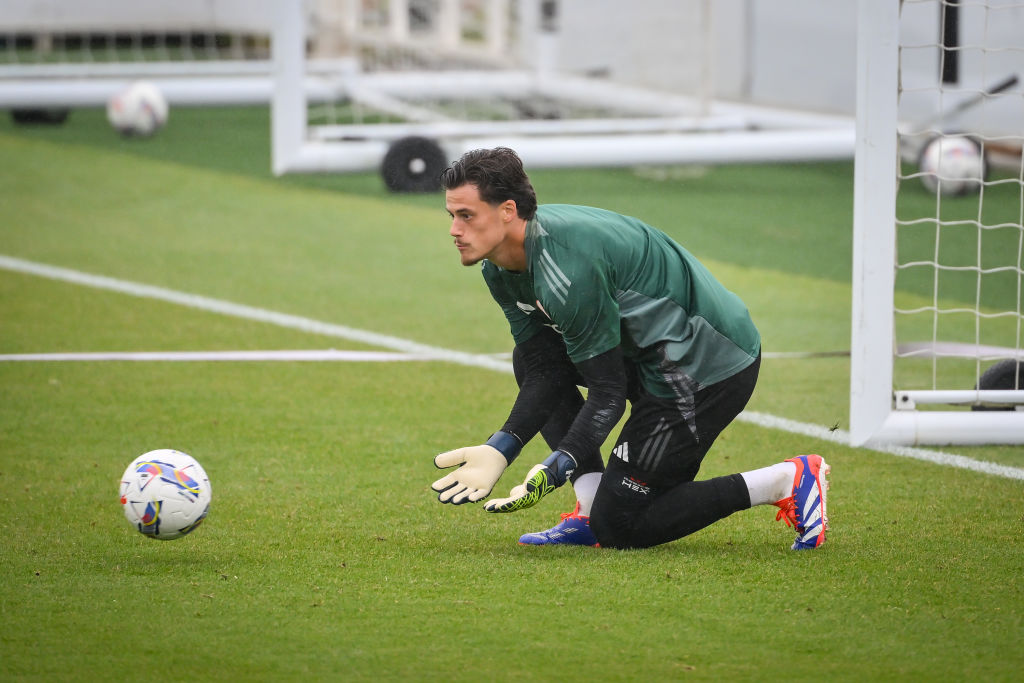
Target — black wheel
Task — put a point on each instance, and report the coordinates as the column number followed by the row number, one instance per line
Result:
column 45, row 117
column 1006, row 374
column 414, row 164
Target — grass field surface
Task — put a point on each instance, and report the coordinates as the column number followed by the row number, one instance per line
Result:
column 325, row 555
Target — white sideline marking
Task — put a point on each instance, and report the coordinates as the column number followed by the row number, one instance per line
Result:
column 294, row 322
column 842, row 437
column 801, row 355
column 475, row 360
column 191, row 356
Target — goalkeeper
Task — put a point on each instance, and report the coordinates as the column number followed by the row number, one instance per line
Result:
column 604, row 301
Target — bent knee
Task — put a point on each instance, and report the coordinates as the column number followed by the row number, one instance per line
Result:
column 617, row 532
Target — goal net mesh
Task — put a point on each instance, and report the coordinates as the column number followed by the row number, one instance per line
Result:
column 959, row 224
column 491, row 36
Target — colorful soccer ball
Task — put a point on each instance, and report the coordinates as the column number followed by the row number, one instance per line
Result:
column 139, row 110
column 952, row 165
column 165, row 494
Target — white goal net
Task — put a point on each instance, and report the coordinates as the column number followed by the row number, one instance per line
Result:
column 938, row 320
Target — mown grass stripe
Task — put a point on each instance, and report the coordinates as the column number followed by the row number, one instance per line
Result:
column 475, row 360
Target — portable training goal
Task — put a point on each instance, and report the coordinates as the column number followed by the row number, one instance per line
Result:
column 453, row 89
column 404, row 86
column 938, row 281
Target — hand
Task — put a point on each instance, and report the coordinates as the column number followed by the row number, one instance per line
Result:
column 481, row 468
column 541, row 480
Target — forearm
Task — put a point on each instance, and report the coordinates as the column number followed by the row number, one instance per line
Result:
column 605, row 378
column 546, row 378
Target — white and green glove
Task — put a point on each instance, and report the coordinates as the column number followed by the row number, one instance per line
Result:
column 541, row 480
column 481, row 467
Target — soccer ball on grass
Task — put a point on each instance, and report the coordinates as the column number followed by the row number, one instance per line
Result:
column 138, row 110
column 165, row 494
column 952, row 165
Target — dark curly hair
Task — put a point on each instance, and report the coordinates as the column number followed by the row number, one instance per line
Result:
column 497, row 174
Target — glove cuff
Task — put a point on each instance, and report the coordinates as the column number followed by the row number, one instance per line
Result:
column 561, row 465
column 507, row 444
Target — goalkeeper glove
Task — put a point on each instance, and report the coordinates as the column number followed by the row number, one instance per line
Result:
column 541, row 480
column 481, row 467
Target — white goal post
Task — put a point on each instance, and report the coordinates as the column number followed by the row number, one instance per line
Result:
column 884, row 409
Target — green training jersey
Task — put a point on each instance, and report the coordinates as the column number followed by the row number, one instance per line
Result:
column 603, row 280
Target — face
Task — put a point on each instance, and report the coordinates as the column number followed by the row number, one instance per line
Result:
column 481, row 231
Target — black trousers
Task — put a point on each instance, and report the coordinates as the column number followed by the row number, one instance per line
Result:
column 647, row 494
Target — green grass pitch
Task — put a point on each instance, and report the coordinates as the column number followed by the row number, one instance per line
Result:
column 325, row 555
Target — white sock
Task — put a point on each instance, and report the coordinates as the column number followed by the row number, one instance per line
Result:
column 770, row 484
column 586, row 488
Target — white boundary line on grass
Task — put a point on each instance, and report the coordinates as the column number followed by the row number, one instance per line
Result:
column 294, row 322
column 475, row 360
column 317, row 355
column 842, row 437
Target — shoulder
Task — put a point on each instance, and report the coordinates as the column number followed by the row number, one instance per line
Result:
column 570, row 223
column 571, row 233
column 574, row 215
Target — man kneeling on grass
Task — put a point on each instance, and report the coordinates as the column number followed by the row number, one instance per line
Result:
column 604, row 301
